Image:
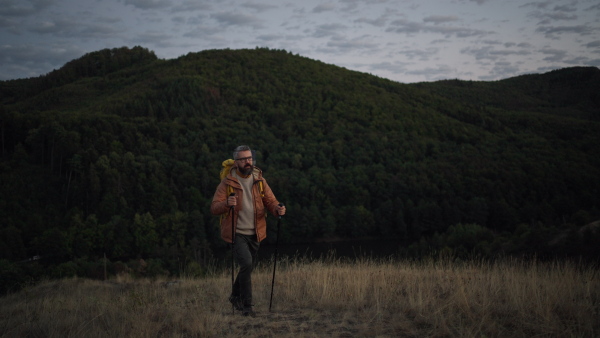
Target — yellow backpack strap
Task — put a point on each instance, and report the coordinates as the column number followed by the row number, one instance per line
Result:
column 261, row 188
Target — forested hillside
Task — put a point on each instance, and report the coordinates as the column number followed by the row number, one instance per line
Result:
column 118, row 154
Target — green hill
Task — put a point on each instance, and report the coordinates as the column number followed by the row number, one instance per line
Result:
column 570, row 92
column 118, row 153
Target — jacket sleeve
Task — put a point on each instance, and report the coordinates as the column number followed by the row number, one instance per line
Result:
column 269, row 200
column 219, row 202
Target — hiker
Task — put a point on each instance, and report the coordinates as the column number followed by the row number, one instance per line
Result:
column 244, row 195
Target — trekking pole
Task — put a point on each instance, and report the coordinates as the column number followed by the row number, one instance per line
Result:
column 231, row 209
column 275, row 262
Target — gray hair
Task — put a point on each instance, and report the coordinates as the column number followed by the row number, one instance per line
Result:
column 238, row 149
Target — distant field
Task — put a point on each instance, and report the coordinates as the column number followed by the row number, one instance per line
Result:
column 324, row 298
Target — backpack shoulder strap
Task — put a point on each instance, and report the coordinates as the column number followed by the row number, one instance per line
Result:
column 261, row 188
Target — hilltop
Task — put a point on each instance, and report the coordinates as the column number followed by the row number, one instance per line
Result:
column 569, row 92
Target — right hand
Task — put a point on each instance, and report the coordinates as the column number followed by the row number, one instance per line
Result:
column 231, row 200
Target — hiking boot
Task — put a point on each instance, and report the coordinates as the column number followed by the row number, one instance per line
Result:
column 237, row 302
column 248, row 311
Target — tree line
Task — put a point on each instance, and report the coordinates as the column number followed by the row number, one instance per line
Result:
column 118, row 154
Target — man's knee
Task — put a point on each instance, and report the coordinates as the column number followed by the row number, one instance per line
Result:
column 246, row 264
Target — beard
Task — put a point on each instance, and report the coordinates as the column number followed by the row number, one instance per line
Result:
column 246, row 170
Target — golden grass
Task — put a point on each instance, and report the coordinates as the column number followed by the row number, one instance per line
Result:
column 334, row 298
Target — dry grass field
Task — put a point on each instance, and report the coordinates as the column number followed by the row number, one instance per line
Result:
column 328, row 298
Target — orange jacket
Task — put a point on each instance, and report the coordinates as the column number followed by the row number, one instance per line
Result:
column 261, row 204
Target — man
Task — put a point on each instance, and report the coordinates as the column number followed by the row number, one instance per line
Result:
column 244, row 189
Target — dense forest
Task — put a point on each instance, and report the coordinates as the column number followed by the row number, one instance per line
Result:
column 117, row 155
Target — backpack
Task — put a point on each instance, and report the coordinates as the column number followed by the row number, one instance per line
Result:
column 227, row 164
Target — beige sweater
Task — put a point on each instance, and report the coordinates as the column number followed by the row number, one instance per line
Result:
column 245, row 221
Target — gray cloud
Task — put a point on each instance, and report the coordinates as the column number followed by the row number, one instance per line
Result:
column 502, row 69
column 553, row 31
column 21, row 8
column 344, row 45
column 405, row 26
column 352, row 6
column 99, row 31
column 196, row 20
column 548, row 16
column 70, row 28
column 379, row 22
column 109, row 20
column 525, row 45
column 396, row 67
column 537, row 4
column 56, row 27
column 492, row 42
column 433, row 73
column 179, row 19
column 565, row 8
column 552, row 17
column 149, row 4
column 32, row 53
column 440, row 41
column 580, row 60
column 593, row 44
column 190, row 6
column 438, row 19
column 328, row 30
column 324, row 8
column 593, row 8
column 7, row 22
column 14, row 13
column 259, row 7
column 490, row 53
column 237, row 19
column 20, row 61
column 420, row 54
column 594, row 62
column 202, row 32
column 269, row 37
column 554, row 55
column 411, row 27
column 154, row 37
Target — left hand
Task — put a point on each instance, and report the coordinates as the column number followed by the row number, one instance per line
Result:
column 281, row 210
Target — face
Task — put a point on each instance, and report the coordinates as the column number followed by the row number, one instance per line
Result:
column 244, row 162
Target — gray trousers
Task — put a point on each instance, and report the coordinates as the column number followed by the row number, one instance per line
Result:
column 245, row 249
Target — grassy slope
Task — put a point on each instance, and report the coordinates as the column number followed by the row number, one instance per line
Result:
column 334, row 298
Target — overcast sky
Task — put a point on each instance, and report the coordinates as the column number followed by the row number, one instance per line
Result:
column 402, row 40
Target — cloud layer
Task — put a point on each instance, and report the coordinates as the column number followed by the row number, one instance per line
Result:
column 403, row 40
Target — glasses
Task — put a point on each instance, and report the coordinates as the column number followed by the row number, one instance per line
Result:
column 245, row 159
